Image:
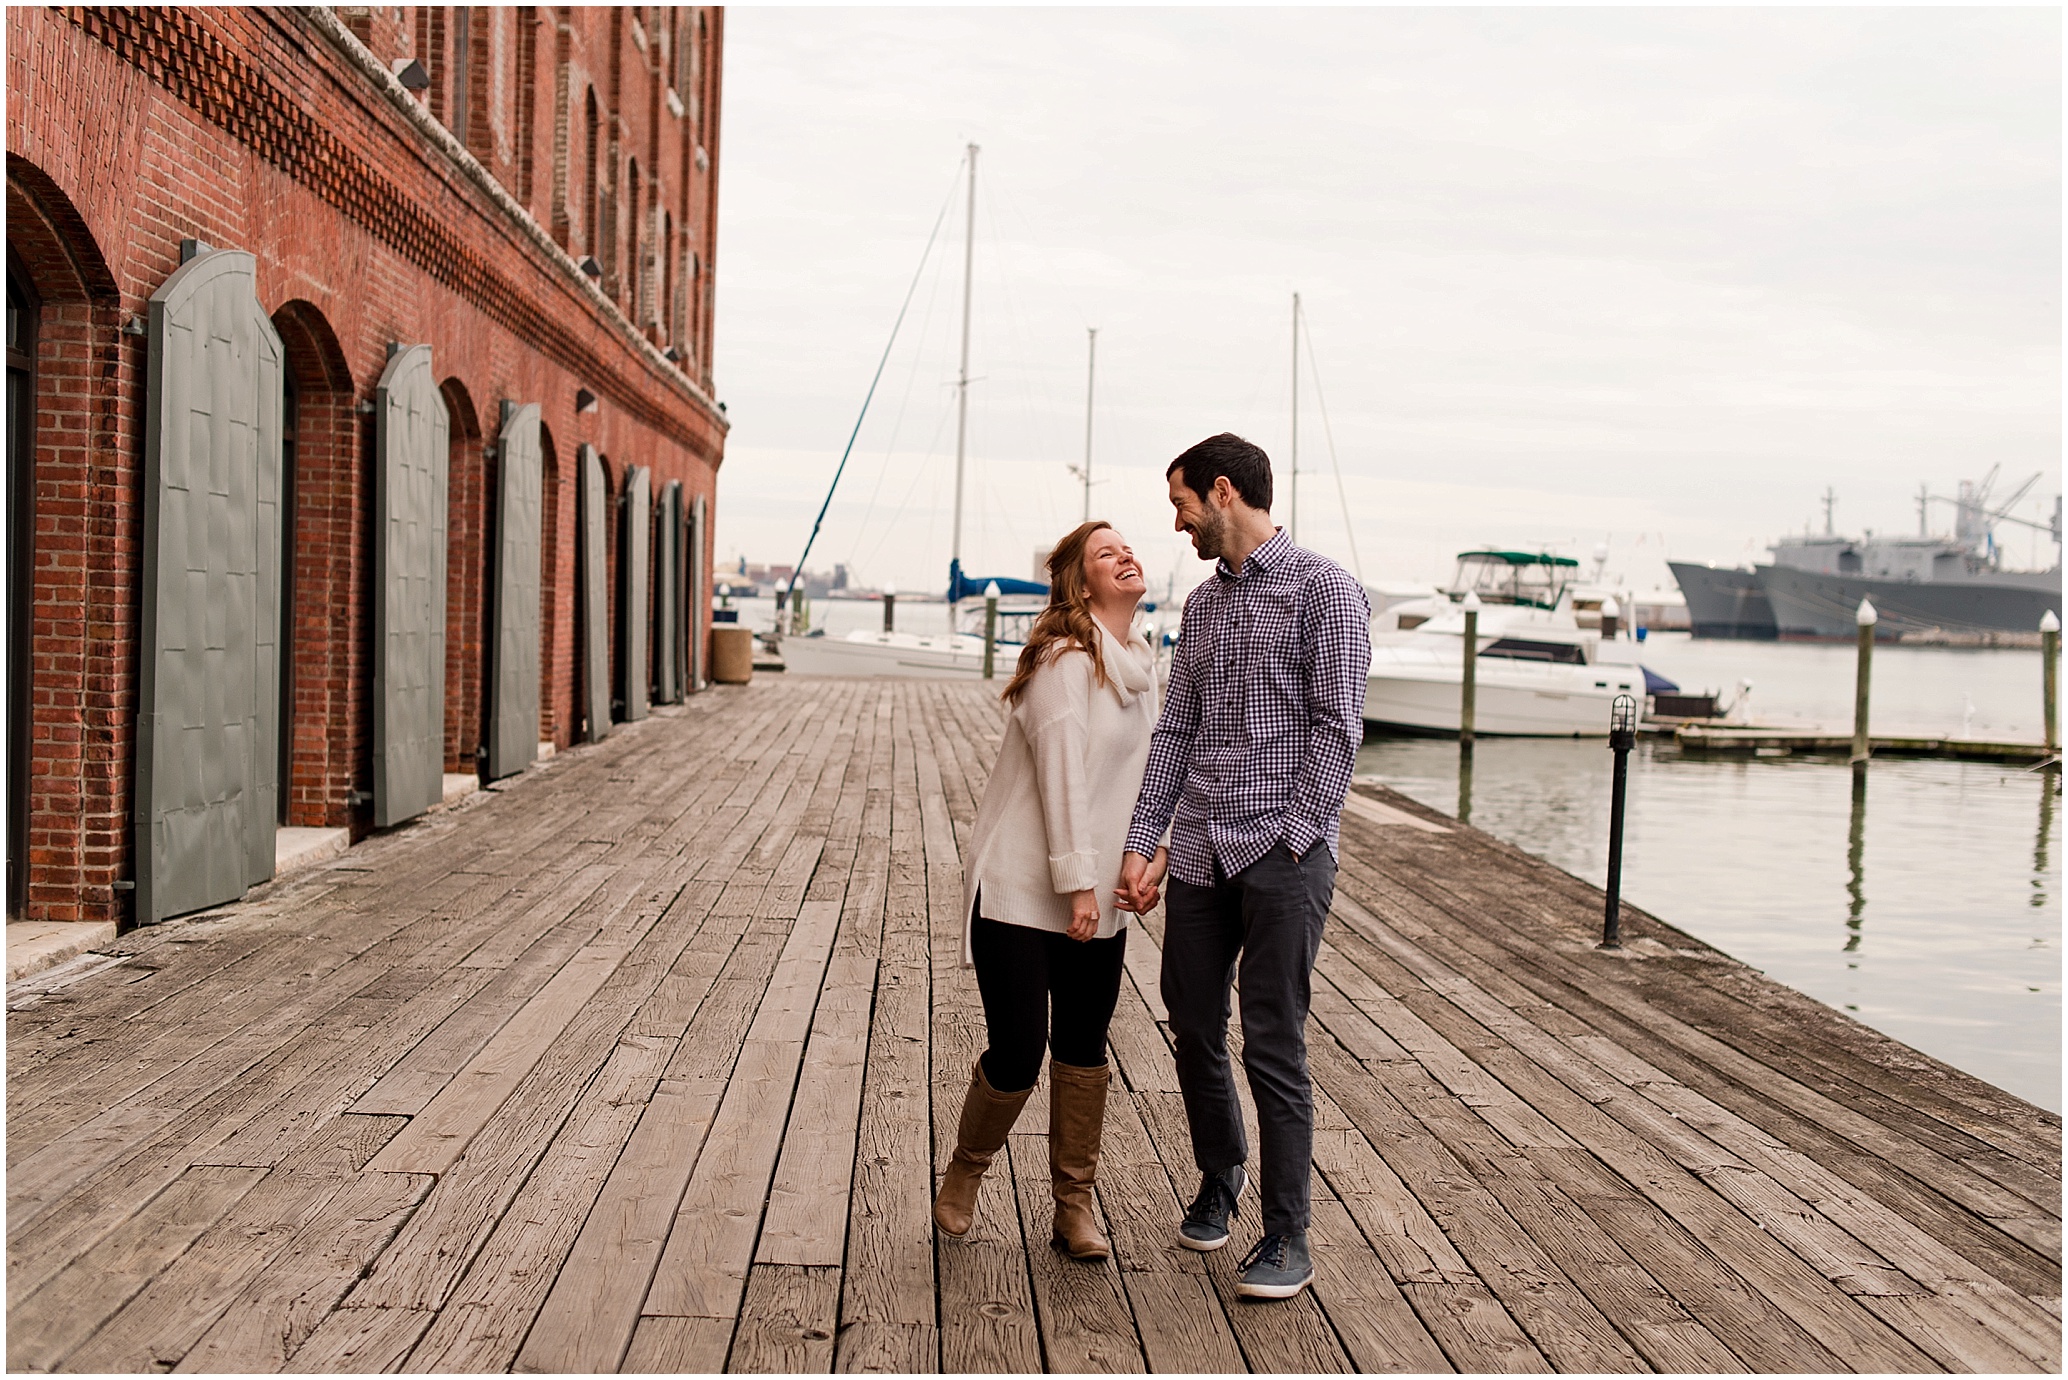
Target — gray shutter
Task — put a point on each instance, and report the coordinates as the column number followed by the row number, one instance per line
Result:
column 513, row 729
column 411, row 430
column 632, row 604
column 208, row 718
column 699, row 592
column 667, row 594
column 595, row 603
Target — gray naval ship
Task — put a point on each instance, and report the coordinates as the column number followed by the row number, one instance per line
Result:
column 1919, row 585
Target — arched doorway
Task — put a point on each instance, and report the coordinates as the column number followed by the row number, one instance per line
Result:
column 326, row 682
column 469, row 544
column 22, row 310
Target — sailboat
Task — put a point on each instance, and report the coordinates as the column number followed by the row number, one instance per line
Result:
column 958, row 653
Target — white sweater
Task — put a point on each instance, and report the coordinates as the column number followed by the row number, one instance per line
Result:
column 1056, row 811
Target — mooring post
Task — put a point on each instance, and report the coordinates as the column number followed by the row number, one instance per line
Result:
column 1468, row 692
column 2050, row 677
column 890, row 608
column 1866, row 618
column 1622, row 736
column 990, row 627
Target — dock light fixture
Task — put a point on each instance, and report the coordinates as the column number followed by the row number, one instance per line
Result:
column 1622, row 736
column 584, row 400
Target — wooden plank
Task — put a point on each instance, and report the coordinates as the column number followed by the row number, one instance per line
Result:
column 156, row 1329
column 360, row 1339
column 1084, row 1319
column 49, row 1324
column 267, row 1323
column 806, row 1222
column 881, row 1348
column 787, row 1321
column 1371, row 1316
column 482, row 1325
column 679, row 1346
column 1167, row 1309
column 436, row 1135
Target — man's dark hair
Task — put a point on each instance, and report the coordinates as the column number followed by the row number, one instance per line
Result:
column 1247, row 467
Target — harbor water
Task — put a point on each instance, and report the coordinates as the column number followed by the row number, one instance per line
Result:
column 1928, row 907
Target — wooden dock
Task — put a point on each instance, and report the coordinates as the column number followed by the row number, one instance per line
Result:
column 1813, row 742
column 644, row 1061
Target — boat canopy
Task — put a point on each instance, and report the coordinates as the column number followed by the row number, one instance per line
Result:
column 961, row 586
column 1514, row 577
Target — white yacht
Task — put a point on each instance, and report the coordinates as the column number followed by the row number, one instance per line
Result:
column 1540, row 672
column 953, row 655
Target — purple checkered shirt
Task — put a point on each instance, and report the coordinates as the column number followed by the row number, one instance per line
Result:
column 1263, row 717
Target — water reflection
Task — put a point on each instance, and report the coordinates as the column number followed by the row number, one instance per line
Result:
column 2042, row 851
column 1855, row 861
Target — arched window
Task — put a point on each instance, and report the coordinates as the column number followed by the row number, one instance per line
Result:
column 635, row 281
column 592, row 203
column 462, row 64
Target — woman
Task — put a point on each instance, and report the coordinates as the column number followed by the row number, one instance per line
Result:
column 1042, row 929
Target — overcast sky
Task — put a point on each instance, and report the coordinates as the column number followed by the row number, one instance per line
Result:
column 1651, row 277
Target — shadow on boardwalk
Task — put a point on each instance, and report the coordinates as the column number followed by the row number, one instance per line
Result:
column 643, row 1061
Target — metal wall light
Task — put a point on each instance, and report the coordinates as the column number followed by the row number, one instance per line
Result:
column 587, row 263
column 412, row 75
column 584, row 400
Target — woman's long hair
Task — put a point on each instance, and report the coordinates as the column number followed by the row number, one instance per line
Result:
column 1067, row 621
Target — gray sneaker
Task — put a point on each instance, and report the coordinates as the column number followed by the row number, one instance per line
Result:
column 1205, row 1227
column 1279, row 1267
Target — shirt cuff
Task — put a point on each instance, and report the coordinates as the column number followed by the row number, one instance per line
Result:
column 1141, row 841
column 1073, row 871
column 1301, row 835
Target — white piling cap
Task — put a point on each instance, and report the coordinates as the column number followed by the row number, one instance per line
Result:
column 1471, row 604
column 991, row 590
column 1610, row 608
column 2048, row 622
column 1866, row 617
column 890, row 591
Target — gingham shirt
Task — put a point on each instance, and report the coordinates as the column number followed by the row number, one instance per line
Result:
column 1263, row 717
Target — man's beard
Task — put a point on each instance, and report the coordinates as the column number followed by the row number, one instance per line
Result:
column 1209, row 535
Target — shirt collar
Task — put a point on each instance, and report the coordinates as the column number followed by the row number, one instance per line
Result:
column 1266, row 557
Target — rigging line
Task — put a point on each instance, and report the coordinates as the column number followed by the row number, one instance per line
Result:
column 904, row 403
column 1314, row 372
column 918, row 273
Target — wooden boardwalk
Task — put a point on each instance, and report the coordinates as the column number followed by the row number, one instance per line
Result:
column 645, row 1060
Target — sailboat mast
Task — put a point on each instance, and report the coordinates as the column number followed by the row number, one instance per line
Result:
column 1292, row 526
column 969, row 251
column 1091, row 366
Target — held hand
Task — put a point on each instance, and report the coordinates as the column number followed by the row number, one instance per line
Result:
column 1133, row 868
column 1084, row 915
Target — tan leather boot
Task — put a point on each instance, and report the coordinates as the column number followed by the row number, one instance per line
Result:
column 987, row 1117
column 1076, row 1117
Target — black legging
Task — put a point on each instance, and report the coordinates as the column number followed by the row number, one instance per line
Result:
column 1022, row 972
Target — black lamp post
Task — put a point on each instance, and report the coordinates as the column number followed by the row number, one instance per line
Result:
column 1622, row 736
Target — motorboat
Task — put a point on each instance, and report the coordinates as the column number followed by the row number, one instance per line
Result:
column 954, row 655
column 1539, row 672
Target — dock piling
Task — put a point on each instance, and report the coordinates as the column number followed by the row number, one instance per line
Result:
column 2050, row 678
column 1622, row 736
column 1866, row 618
column 890, row 609
column 990, row 627
column 1468, row 693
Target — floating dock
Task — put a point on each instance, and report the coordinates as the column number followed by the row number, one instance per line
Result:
column 646, row 1060
column 1810, row 742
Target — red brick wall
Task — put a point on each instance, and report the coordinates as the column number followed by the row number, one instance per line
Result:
column 131, row 129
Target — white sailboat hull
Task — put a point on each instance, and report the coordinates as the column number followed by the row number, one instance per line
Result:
column 1418, row 688
column 897, row 654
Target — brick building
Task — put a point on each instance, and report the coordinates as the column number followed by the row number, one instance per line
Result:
column 360, row 415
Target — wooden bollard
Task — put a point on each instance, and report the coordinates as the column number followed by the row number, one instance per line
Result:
column 1866, row 618
column 890, row 608
column 990, row 627
column 1468, row 690
column 2050, row 677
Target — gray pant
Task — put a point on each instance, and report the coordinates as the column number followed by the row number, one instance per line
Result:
column 1267, row 917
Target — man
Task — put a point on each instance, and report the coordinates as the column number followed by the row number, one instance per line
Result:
column 1248, row 768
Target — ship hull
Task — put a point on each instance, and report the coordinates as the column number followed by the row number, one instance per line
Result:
column 1725, row 603
column 904, row 656
column 1813, row 607
column 1418, row 691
